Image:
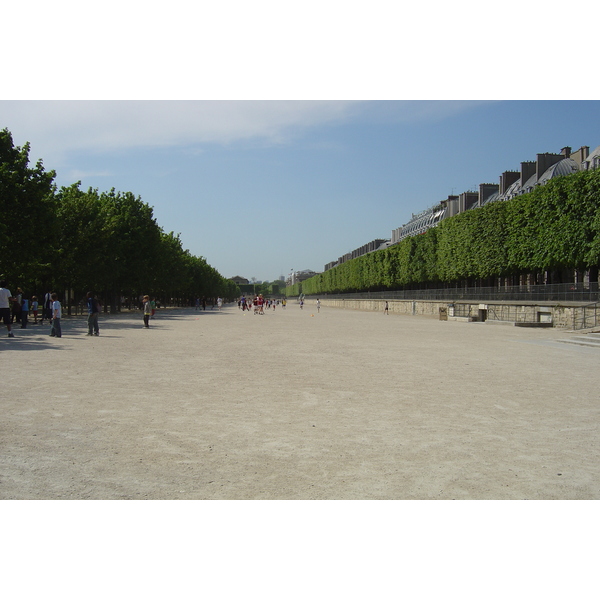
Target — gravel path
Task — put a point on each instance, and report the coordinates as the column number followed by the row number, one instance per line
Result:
column 297, row 404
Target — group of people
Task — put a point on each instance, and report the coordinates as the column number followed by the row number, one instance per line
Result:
column 17, row 308
column 218, row 302
column 318, row 304
column 259, row 303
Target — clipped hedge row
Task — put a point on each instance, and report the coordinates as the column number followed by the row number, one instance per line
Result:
column 556, row 226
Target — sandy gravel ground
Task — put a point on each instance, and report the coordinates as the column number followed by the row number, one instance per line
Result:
column 297, row 404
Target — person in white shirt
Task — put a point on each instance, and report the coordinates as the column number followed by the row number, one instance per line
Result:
column 5, row 300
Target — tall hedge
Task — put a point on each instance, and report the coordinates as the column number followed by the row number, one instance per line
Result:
column 556, row 226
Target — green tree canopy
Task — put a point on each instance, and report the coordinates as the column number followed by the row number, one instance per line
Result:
column 28, row 223
column 76, row 240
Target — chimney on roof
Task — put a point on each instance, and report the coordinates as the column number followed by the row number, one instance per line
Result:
column 449, row 199
column 507, row 179
column 566, row 151
column 527, row 170
column 545, row 161
column 486, row 190
column 467, row 200
column 580, row 155
column 452, row 204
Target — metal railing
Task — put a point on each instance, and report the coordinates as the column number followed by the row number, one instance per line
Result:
column 586, row 317
column 563, row 292
column 505, row 312
column 463, row 310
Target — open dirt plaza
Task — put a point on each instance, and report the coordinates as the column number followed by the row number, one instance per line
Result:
column 297, row 404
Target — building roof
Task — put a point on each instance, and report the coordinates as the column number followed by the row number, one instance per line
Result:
column 495, row 196
column 567, row 166
column 513, row 190
column 592, row 159
column 529, row 184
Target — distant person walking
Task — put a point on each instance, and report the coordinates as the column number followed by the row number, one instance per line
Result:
column 147, row 311
column 318, row 305
column 93, row 311
column 385, row 310
column 55, row 330
column 5, row 300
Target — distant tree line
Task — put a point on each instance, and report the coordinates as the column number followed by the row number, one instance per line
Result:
column 72, row 240
column 551, row 235
column 266, row 288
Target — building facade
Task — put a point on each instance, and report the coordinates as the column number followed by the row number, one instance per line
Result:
column 239, row 280
column 298, row 276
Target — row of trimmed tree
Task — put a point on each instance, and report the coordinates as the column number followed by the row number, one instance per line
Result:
column 73, row 241
column 551, row 235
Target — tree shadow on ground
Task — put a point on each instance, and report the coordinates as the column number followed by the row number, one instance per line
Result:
column 37, row 336
column 185, row 313
column 29, row 339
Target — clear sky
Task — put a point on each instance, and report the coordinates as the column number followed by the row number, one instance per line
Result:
column 263, row 187
column 274, row 139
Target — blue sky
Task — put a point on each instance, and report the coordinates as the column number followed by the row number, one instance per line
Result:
column 259, row 188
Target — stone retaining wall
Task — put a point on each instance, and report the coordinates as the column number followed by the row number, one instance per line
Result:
column 559, row 315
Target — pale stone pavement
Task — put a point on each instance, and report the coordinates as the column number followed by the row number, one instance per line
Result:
column 297, row 404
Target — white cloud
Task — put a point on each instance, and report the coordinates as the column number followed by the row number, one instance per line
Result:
column 58, row 127
column 77, row 175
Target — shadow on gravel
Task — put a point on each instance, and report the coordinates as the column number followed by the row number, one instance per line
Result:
column 23, row 343
column 37, row 337
column 181, row 314
column 161, row 314
column 34, row 337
